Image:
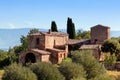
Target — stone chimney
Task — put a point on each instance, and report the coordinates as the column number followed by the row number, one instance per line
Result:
column 49, row 31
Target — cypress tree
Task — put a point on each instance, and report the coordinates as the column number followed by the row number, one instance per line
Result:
column 73, row 31
column 70, row 28
column 54, row 26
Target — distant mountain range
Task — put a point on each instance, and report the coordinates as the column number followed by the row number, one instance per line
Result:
column 11, row 37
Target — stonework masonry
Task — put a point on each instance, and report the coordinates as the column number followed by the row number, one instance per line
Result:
column 46, row 46
column 99, row 34
column 53, row 47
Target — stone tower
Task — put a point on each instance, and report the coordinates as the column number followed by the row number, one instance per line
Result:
column 99, row 34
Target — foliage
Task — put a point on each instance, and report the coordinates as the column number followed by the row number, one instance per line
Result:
column 33, row 31
column 13, row 57
column 54, row 26
column 111, row 46
column 71, row 29
column 24, row 43
column 18, row 49
column 3, row 55
column 46, row 71
column 83, row 34
column 67, row 60
column 3, row 58
column 90, row 64
column 72, row 71
column 103, row 77
column 114, row 74
column 110, row 59
column 18, row 72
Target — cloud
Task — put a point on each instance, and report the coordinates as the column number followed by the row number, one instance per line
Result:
column 30, row 24
column 11, row 26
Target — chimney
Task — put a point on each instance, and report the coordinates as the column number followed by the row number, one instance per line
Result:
column 49, row 31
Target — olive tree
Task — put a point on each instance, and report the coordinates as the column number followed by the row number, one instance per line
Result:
column 90, row 64
column 72, row 71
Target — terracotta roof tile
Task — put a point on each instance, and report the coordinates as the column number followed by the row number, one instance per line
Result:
column 89, row 47
column 43, row 52
column 76, row 41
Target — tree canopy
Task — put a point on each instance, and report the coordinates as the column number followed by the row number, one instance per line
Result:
column 71, row 29
column 72, row 71
column 4, row 60
column 112, row 46
column 33, row 31
column 46, row 71
column 83, row 34
column 90, row 64
column 54, row 26
column 18, row 72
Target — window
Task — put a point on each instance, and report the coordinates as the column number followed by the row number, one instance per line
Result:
column 37, row 41
column 61, row 55
column 96, row 41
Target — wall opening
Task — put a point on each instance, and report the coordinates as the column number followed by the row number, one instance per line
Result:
column 37, row 41
column 30, row 58
column 95, row 41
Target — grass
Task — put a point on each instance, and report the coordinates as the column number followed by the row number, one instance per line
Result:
column 1, row 74
column 114, row 74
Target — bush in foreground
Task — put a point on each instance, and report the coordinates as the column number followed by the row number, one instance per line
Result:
column 103, row 77
column 72, row 71
column 90, row 64
column 18, row 72
column 46, row 71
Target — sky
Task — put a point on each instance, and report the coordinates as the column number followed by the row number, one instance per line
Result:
column 40, row 13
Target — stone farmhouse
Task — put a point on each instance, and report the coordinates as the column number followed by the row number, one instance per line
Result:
column 53, row 47
column 99, row 34
column 45, row 46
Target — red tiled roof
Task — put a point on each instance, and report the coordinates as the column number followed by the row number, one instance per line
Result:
column 99, row 25
column 43, row 52
column 54, row 49
column 76, row 41
column 51, row 33
column 89, row 47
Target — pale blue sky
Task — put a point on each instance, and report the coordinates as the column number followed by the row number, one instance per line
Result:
column 40, row 13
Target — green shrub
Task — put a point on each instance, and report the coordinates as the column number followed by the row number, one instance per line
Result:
column 4, row 61
column 72, row 71
column 90, row 64
column 103, row 77
column 18, row 72
column 67, row 60
column 46, row 71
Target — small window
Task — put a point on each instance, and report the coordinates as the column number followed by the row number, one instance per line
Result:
column 37, row 41
column 96, row 41
column 61, row 55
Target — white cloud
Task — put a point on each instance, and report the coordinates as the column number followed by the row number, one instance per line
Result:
column 30, row 24
column 11, row 26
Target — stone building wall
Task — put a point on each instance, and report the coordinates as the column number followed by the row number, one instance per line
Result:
column 99, row 34
column 46, row 47
column 52, row 41
column 45, row 58
column 38, row 56
column 32, row 41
